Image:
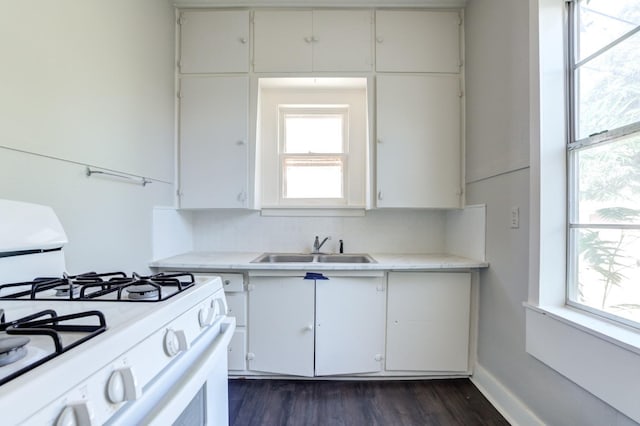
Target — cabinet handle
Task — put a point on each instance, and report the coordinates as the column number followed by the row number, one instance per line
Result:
column 240, row 142
column 243, row 40
column 314, row 40
column 379, row 39
column 379, row 140
column 242, row 197
column 379, row 195
column 309, row 327
column 308, row 39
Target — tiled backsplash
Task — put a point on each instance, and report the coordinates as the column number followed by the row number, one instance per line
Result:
column 379, row 231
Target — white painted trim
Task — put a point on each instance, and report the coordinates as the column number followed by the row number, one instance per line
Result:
column 320, row 3
column 513, row 409
column 606, row 370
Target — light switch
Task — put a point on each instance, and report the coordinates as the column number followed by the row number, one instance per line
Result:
column 515, row 217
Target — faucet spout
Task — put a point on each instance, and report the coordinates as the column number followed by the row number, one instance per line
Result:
column 317, row 244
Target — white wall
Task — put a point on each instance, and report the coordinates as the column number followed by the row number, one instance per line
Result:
column 89, row 83
column 380, row 231
column 497, row 168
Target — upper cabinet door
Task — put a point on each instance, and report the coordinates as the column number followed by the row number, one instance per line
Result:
column 419, row 141
column 418, row 41
column 342, row 40
column 213, row 159
column 214, row 41
column 282, row 40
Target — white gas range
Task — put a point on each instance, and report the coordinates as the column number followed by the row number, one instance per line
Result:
column 104, row 348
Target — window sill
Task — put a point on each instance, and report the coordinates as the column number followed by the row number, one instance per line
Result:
column 617, row 334
column 312, row 212
column 597, row 355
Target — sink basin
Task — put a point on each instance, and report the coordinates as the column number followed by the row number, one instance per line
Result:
column 345, row 258
column 283, row 258
column 310, row 258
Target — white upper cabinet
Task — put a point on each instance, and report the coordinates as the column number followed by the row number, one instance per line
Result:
column 326, row 40
column 419, row 141
column 418, row 41
column 214, row 41
column 342, row 40
column 213, row 154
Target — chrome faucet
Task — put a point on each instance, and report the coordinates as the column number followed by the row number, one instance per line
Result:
column 317, row 244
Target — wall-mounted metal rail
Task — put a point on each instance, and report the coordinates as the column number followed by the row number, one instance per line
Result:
column 138, row 180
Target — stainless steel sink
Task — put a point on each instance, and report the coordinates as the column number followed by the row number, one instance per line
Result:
column 312, row 258
column 345, row 258
column 283, row 258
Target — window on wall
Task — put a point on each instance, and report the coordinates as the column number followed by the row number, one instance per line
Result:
column 313, row 150
column 312, row 142
column 604, row 158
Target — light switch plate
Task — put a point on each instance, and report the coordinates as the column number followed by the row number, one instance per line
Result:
column 515, row 217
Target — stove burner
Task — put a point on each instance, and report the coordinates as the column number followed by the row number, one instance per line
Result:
column 12, row 349
column 142, row 291
column 63, row 291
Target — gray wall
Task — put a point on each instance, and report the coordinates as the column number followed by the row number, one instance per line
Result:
column 89, row 83
column 497, row 45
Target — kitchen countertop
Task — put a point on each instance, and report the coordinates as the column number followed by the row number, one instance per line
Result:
column 230, row 261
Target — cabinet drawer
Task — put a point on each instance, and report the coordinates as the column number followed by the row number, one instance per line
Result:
column 237, row 307
column 232, row 282
column 237, row 350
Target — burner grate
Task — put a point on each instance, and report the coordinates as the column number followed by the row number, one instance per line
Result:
column 49, row 323
column 92, row 286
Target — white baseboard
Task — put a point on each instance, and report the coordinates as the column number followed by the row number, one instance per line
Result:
column 513, row 409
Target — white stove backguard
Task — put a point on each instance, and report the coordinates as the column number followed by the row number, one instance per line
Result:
column 34, row 232
column 27, row 226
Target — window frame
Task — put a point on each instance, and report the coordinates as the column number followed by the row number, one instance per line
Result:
column 575, row 144
column 313, row 110
column 583, row 347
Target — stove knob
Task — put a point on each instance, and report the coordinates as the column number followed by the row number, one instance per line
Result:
column 220, row 305
column 175, row 342
column 75, row 415
column 122, row 386
column 205, row 316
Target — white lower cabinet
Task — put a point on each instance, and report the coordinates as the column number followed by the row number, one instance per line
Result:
column 349, row 325
column 238, row 350
column 236, row 307
column 428, row 321
column 281, row 323
column 316, row 328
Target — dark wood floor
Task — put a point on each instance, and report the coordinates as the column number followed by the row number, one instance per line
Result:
column 354, row 403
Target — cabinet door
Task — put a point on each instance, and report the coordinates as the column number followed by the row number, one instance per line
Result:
column 238, row 350
column 214, row 41
column 213, row 142
column 342, row 40
column 349, row 325
column 282, row 41
column 418, row 150
column 428, row 321
column 418, row 41
column 281, row 323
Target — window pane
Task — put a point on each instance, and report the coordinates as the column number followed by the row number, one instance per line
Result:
column 318, row 133
column 608, row 271
column 312, row 178
column 609, row 182
column 601, row 22
column 609, row 89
